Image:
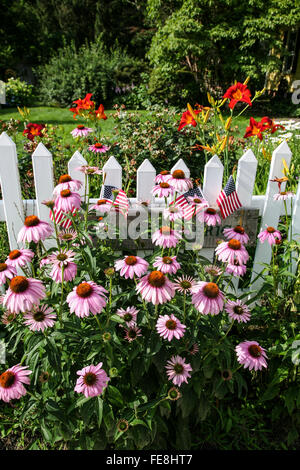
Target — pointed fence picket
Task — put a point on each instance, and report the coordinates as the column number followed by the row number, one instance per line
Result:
column 13, row 209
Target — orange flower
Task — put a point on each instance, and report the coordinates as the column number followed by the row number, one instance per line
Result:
column 100, row 112
column 187, row 119
column 255, row 129
column 86, row 104
column 236, row 93
column 270, row 124
column 33, row 130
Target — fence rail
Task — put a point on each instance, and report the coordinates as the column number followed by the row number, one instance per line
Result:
column 13, row 209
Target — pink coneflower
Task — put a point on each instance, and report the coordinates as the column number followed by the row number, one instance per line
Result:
column 270, row 234
column 67, row 235
column 19, row 258
column 178, row 370
column 132, row 333
column 89, row 170
column 163, row 177
column 87, row 297
column 11, row 383
column 238, row 311
column 34, row 230
column 168, row 326
column 63, row 259
column 238, row 233
column 6, row 272
column 194, row 349
column 209, row 216
column 66, row 182
column 173, row 213
column 129, row 315
column 66, row 201
column 213, row 270
column 103, row 206
column 8, row 317
column 236, row 269
column 166, row 237
column 98, row 148
column 198, row 203
column 231, row 251
column 283, row 196
column 184, row 284
column 166, row 264
column 163, row 190
column 207, row 298
column 156, row 288
column 131, row 266
column 40, row 318
column 44, row 262
column 251, row 355
column 23, row 293
column 92, row 380
column 179, row 181
column 81, row 131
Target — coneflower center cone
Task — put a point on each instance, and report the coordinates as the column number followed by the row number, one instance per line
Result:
column 178, row 368
column 39, row 316
column 238, row 310
column 211, row 211
column 167, row 260
column 101, row 202
column 3, row 267
column 171, row 324
column 64, row 179
column 84, row 290
column 239, row 229
column 156, row 279
column 14, row 254
column 254, row 350
column 164, row 185
column 178, row 174
column 131, row 260
column 234, row 244
column 31, row 221
column 7, row 379
column 65, row 193
column 211, row 290
column 165, row 230
column 127, row 317
column 61, row 257
column 19, row 284
column 90, row 379
column 270, row 229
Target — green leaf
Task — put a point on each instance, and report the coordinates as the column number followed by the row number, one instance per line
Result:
column 99, row 410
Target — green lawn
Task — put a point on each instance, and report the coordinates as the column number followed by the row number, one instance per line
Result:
column 64, row 117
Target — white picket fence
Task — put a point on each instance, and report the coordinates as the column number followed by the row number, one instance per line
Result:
column 13, row 209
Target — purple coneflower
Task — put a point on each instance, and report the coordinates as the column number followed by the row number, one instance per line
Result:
column 173, row 213
column 166, row 237
column 209, row 216
column 66, row 182
column 166, row 264
column 213, row 270
column 184, row 284
column 251, row 355
column 92, row 380
column 129, row 315
column 178, row 370
column 67, row 201
column 231, row 251
column 40, row 318
column 283, row 196
column 102, row 206
column 207, row 298
column 87, row 297
column 168, row 326
column 19, row 258
column 6, row 272
column 238, row 233
column 23, row 293
column 89, row 170
column 11, row 383
column 162, row 177
column 236, row 269
column 132, row 333
column 238, row 311
column 156, row 288
column 179, row 181
column 81, row 131
column 63, row 259
column 270, row 234
column 34, row 230
column 98, row 148
column 163, row 189
column 131, row 266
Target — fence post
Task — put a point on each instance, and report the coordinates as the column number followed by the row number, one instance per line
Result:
column 271, row 210
column 43, row 179
column 76, row 161
column 245, row 179
column 213, row 177
column 180, row 165
column 145, row 180
column 11, row 189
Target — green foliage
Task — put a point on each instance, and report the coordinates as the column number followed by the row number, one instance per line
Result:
column 73, row 72
column 18, row 92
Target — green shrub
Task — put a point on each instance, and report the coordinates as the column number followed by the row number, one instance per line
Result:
column 90, row 69
column 18, row 93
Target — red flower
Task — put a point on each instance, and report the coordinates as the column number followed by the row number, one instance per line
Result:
column 255, row 128
column 236, row 93
column 100, row 112
column 187, row 119
column 32, row 130
column 269, row 124
column 85, row 104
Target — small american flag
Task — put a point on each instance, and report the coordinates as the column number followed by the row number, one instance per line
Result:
column 60, row 218
column 121, row 202
column 228, row 200
column 183, row 203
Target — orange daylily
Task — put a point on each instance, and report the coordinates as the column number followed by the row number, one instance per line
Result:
column 100, row 112
column 187, row 119
column 238, row 92
column 255, row 129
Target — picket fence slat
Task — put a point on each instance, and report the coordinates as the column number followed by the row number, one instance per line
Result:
column 77, row 161
column 180, row 165
column 213, row 177
column 272, row 209
column 11, row 189
column 245, row 180
column 112, row 173
column 295, row 225
column 145, row 181
column 43, row 179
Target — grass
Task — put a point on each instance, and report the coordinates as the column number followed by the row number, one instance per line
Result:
column 63, row 117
